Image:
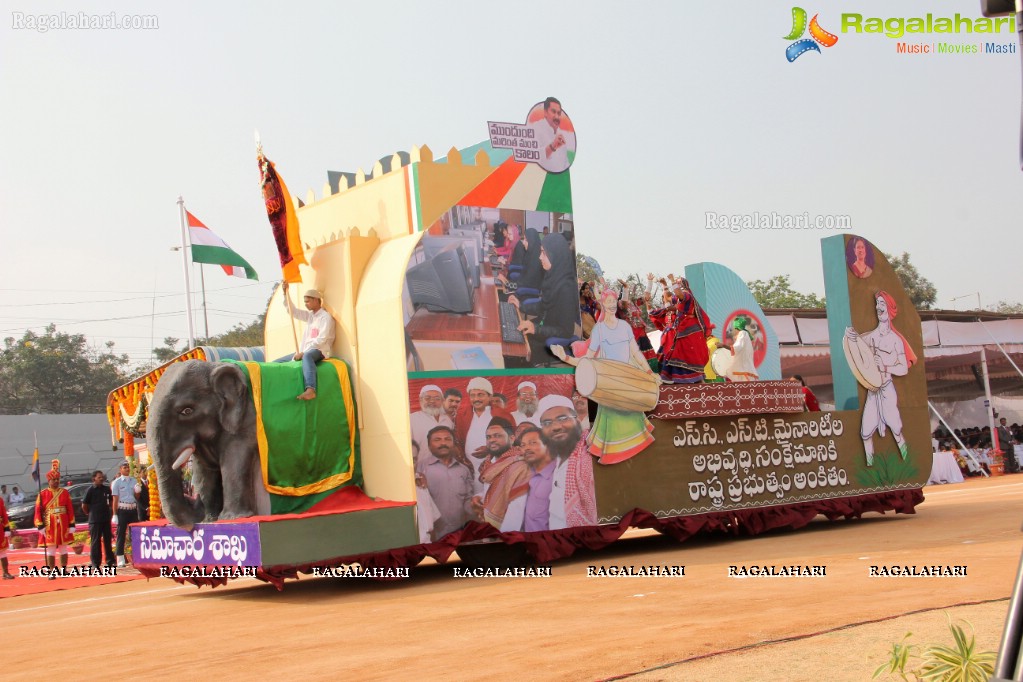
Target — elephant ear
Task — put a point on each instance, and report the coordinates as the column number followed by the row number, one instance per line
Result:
column 229, row 383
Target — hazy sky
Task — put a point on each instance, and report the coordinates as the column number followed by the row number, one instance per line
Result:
column 681, row 108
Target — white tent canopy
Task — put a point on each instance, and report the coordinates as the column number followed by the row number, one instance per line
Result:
column 953, row 342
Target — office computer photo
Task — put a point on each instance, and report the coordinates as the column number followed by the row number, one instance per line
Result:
column 433, row 245
column 443, row 282
column 474, row 231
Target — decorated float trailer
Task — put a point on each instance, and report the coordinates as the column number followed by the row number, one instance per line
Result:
column 401, row 455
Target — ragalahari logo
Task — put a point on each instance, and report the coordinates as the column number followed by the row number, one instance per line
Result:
column 817, row 35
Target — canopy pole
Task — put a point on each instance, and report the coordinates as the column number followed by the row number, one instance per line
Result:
column 184, row 261
column 1004, row 352
column 988, row 406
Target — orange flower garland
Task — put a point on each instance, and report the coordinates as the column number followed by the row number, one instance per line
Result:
column 155, row 510
column 127, row 405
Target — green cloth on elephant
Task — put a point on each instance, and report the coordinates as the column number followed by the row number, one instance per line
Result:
column 307, row 448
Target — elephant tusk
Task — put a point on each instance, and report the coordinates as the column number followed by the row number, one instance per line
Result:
column 183, row 458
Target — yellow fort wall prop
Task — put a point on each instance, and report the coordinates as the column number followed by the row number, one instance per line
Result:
column 358, row 242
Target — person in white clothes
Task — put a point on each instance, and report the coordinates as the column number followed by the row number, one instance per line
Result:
column 431, row 413
column 471, row 426
column 16, row 497
column 316, row 341
column 555, row 144
column 525, row 403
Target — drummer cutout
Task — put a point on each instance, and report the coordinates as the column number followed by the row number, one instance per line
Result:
column 874, row 358
column 614, row 374
column 741, row 366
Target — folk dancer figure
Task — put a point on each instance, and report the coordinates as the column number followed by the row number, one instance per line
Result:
column 630, row 311
column 55, row 518
column 615, row 435
column 684, row 342
column 893, row 356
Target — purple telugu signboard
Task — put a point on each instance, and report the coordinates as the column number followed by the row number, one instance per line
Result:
column 220, row 544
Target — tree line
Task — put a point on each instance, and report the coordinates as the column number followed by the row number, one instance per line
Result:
column 777, row 292
column 59, row 373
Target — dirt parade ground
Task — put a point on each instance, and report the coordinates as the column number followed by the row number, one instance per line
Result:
column 703, row 626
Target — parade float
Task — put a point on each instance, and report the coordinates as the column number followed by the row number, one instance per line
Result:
column 408, row 259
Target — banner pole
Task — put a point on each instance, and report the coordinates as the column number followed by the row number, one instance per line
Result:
column 291, row 316
column 184, row 263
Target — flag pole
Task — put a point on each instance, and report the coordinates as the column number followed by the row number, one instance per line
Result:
column 39, row 496
column 291, row 316
column 284, row 289
column 35, row 463
column 205, row 315
column 184, row 262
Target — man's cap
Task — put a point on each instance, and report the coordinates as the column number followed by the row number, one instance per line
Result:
column 312, row 293
column 549, row 401
column 527, row 384
column 480, row 384
column 429, row 387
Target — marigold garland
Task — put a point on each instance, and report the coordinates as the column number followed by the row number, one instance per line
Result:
column 155, row 510
column 128, row 405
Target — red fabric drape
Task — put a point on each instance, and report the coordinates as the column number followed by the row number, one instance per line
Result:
column 547, row 546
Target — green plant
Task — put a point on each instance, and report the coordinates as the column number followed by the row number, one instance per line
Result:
column 961, row 662
column 81, row 537
column 898, row 658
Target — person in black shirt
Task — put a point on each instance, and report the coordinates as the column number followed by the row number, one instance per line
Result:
column 530, row 273
column 143, row 497
column 556, row 313
column 97, row 503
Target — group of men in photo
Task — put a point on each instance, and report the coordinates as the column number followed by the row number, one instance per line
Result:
column 521, row 470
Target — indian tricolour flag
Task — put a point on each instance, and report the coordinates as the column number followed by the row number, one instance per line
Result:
column 209, row 248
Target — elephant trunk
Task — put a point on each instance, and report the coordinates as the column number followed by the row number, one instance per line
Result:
column 182, row 512
column 169, row 459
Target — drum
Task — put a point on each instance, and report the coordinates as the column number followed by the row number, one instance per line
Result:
column 860, row 357
column 617, row 385
column 721, row 361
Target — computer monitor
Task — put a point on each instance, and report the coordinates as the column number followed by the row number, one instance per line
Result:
column 434, row 245
column 442, row 283
column 469, row 232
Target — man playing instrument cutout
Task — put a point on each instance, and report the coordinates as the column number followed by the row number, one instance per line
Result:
column 893, row 356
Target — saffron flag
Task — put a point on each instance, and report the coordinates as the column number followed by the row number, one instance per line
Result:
column 280, row 211
column 207, row 247
column 35, row 465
